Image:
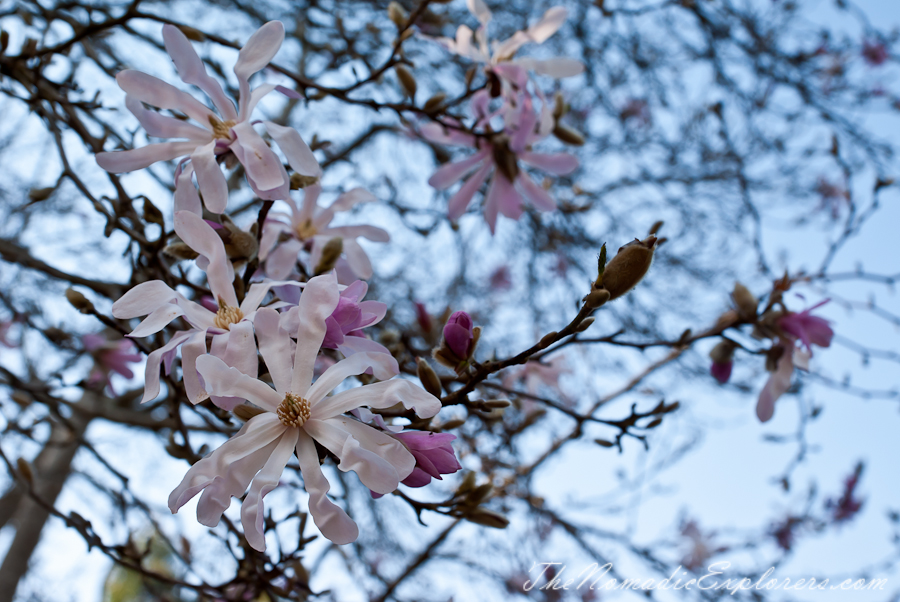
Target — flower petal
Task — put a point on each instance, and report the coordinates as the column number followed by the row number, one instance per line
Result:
column 252, row 509
column 548, row 24
column 357, row 259
column 162, row 126
column 353, row 366
column 378, row 396
column 224, row 381
column 157, row 320
column 151, row 371
column 318, row 301
column 200, row 236
column 210, row 178
column 192, row 349
column 460, row 201
column 186, row 196
column 536, row 195
column 480, row 10
column 263, row 166
column 259, row 50
column 145, row 156
column 216, row 497
column 161, row 95
column 275, row 347
column 451, row 173
column 331, row 519
column 558, row 164
column 191, row 70
column 557, row 67
column 298, row 153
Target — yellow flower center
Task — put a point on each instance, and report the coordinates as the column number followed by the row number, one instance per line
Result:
column 221, row 129
column 293, row 411
column 227, row 315
column 306, row 230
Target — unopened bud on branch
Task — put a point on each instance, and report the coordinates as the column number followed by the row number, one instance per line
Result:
column 627, row 268
column 331, row 252
column 79, row 301
column 745, row 302
column 429, row 378
column 406, row 80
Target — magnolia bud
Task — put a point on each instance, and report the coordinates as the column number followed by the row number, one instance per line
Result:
column 596, row 298
column 180, row 250
column 36, row 195
column 494, row 404
column 547, row 339
column 238, row 244
column 566, row 134
column 585, row 324
column 488, row 518
column 406, row 80
column 299, row 181
column 453, row 424
column 152, row 214
column 429, row 378
column 398, row 15
column 628, row 267
column 192, row 34
column 745, row 302
column 434, row 103
column 723, row 353
column 331, row 252
column 79, row 301
column 245, row 412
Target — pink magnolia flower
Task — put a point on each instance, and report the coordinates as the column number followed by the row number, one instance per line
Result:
column 230, row 326
column 721, row 371
column 458, row 334
column 218, row 136
column 109, row 356
column 536, row 374
column 498, row 57
column 499, row 154
column 297, row 414
column 308, row 228
column 810, row 330
column 434, row 457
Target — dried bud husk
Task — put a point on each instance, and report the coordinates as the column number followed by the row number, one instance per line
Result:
column 238, row 244
column 745, row 302
column 628, row 267
column 723, row 352
column 585, row 324
column 654, row 423
column 604, row 443
column 152, row 215
column 36, row 195
column 494, row 404
column 479, row 494
column 488, row 518
column 331, row 252
column 398, row 15
column 25, row 470
column 79, row 301
column 429, row 378
column 772, row 356
column 245, row 411
column 468, row 483
column 299, row 181
column 180, row 250
column 433, row 104
column 406, row 80
column 568, row 135
column 560, row 107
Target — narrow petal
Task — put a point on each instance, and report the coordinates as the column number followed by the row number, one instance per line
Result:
column 558, row 164
column 779, row 382
column 372, row 233
column 210, row 178
column 282, row 261
column 263, row 166
column 535, row 194
column 240, row 352
column 331, row 519
column 230, row 382
column 344, row 369
column 558, row 67
column 252, row 509
column 200, row 236
column 548, row 24
column 353, row 345
column 192, row 71
column 139, row 158
column 162, row 126
column 192, row 349
column 298, row 153
column 379, row 396
column 460, row 201
column 275, row 347
column 502, row 197
column 350, row 199
column 151, row 371
column 451, row 173
column 480, row 10
column 143, row 299
column 157, row 320
column 161, row 95
column 357, row 258
column 318, row 301
column 439, row 134
column 216, row 497
column 186, row 196
column 259, row 50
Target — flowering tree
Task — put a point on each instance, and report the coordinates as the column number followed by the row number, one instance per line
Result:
column 393, row 256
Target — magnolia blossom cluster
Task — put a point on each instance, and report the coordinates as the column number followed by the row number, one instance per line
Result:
column 292, row 315
column 793, row 335
column 506, row 122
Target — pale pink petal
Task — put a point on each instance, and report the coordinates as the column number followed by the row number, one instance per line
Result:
column 331, row 520
column 192, row 71
column 357, row 258
column 480, row 10
column 272, row 231
column 366, row 457
column 378, row 396
column 258, row 94
column 162, row 126
column 372, row 233
column 282, row 261
column 348, row 200
column 256, row 434
column 275, row 347
column 353, row 345
column 139, row 158
column 186, row 196
column 317, row 303
column 252, row 510
column 779, row 382
column 451, row 173
column 200, row 236
column 558, row 164
column 225, row 381
column 548, row 24
column 507, row 48
column 240, row 352
column 298, row 153
column 157, row 320
column 535, row 194
column 157, row 93
column 210, row 178
column 355, row 365
column 216, row 497
column 259, row 50
column 143, row 299
column 263, row 166
column 503, row 197
column 151, row 371
column 439, row 134
column 558, row 67
column 460, row 201
column 192, row 349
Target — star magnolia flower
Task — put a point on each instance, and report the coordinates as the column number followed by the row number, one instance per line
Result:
column 231, row 325
column 298, row 413
column 229, row 131
column 811, row 330
column 499, row 154
column 498, row 57
column 308, row 227
column 109, row 357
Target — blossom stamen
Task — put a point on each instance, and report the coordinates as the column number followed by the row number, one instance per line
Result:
column 221, row 129
column 293, row 411
column 227, row 315
column 306, row 230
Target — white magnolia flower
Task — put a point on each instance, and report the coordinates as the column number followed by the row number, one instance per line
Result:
column 498, row 56
column 217, row 135
column 298, row 413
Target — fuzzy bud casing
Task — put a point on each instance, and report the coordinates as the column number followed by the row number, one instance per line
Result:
column 628, row 267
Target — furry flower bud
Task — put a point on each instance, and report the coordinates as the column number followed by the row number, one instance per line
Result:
column 744, row 302
column 628, row 267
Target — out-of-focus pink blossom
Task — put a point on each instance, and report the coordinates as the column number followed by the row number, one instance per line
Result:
column 636, row 110
column 834, row 196
column 5, row 340
column 434, row 457
column 785, row 532
column 308, row 227
column 458, row 334
column 230, row 132
column 721, row 371
column 811, row 330
column 501, row 279
column 498, row 156
column 780, row 380
column 109, row 356
column 874, row 52
column 423, row 318
column 700, row 547
column 847, row 506
column 536, row 374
